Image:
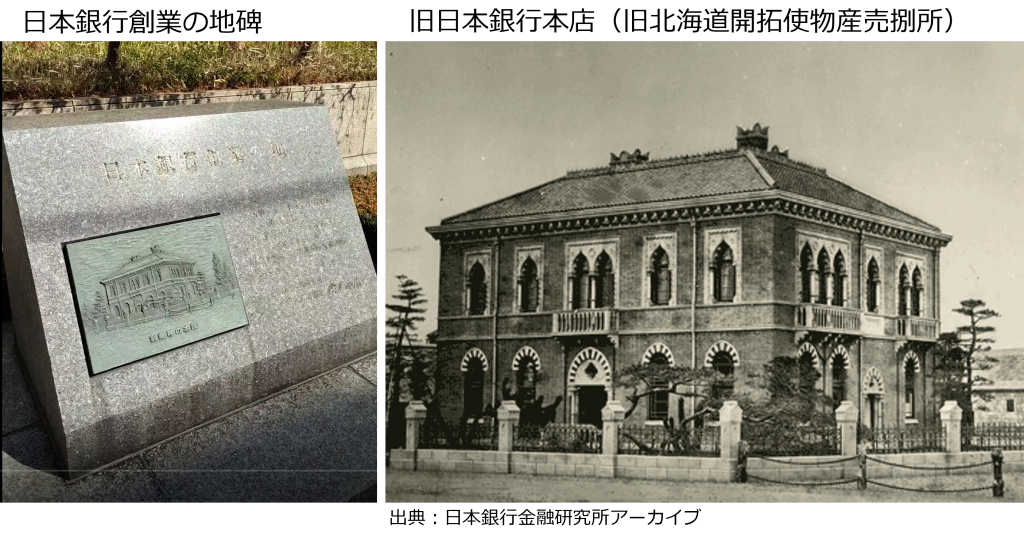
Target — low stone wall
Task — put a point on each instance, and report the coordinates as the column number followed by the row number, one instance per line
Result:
column 806, row 469
column 352, row 108
column 702, row 469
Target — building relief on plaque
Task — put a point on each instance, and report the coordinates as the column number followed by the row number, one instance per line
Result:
column 146, row 291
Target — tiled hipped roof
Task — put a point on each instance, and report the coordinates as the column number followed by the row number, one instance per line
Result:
column 682, row 178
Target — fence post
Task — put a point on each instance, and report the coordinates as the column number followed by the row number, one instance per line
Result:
column 729, row 418
column 862, row 460
column 951, row 414
column 997, row 472
column 508, row 417
column 415, row 414
column 846, row 419
column 612, row 415
column 741, row 462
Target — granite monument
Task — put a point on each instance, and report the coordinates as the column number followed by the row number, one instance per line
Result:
column 169, row 265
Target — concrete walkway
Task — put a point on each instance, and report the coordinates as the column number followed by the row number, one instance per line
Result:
column 314, row 443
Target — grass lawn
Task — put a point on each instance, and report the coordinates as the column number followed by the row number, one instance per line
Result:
column 62, row 70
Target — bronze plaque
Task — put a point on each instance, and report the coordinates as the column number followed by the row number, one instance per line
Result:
column 143, row 292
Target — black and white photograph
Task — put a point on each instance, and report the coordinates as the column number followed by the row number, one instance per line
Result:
column 743, row 272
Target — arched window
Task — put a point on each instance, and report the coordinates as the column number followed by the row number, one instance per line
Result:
column 904, row 290
column 839, row 363
column 807, row 369
column 526, row 382
column 917, row 288
column 874, row 279
column 723, row 365
column 474, row 365
column 525, row 366
column 603, row 290
column 824, row 276
column 909, row 371
column 657, row 407
column 724, row 273
column 579, row 283
column 661, row 278
column 529, row 287
column 839, row 281
column 477, row 285
column 157, row 273
column 807, row 271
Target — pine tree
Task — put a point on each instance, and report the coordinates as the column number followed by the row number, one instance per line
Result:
column 400, row 332
column 218, row 273
column 97, row 309
column 962, row 353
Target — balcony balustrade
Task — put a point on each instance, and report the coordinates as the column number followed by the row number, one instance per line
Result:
column 584, row 322
column 825, row 317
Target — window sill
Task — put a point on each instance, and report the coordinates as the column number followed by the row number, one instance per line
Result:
column 657, row 423
column 910, row 421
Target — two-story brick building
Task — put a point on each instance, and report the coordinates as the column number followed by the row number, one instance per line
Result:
column 726, row 260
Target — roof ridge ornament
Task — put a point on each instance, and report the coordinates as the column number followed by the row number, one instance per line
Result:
column 626, row 159
column 754, row 138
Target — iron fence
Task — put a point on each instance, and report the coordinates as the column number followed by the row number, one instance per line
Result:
column 906, row 439
column 989, row 436
column 769, row 440
column 556, row 437
column 660, row 440
column 464, row 435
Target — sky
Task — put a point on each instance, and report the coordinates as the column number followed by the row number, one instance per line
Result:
column 935, row 129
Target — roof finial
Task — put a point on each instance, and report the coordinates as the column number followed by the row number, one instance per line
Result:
column 755, row 138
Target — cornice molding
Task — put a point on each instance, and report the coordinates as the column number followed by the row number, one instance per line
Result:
column 700, row 209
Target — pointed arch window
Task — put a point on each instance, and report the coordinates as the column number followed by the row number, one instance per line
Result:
column 579, row 282
column 874, row 280
column 661, row 278
column 916, row 289
column 602, row 292
column 839, row 281
column 724, row 273
column 529, row 286
column 807, row 273
column 476, row 285
column 904, row 290
column 657, row 408
column 824, row 277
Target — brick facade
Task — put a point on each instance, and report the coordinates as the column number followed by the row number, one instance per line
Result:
column 764, row 232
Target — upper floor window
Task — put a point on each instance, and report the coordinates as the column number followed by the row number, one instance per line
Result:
column 916, row 289
column 579, row 282
column 476, row 285
column 874, row 280
column 824, row 276
column 904, row 290
column 724, row 273
column 661, row 278
column 839, row 281
column 602, row 293
column 807, row 273
column 529, row 286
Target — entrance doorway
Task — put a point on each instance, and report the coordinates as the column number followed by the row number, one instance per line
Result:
column 591, row 399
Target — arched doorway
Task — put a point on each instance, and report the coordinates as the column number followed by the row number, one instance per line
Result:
column 874, row 391
column 589, row 386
